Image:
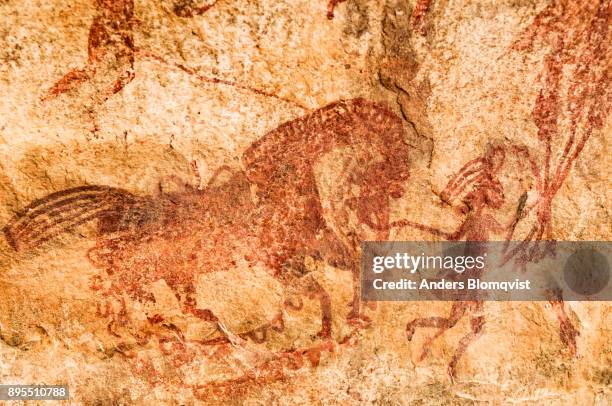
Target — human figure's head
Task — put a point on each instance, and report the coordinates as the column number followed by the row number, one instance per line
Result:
column 476, row 185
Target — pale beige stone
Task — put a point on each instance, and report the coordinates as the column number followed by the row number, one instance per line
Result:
column 204, row 89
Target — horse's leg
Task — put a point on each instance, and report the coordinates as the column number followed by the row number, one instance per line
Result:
column 207, row 315
column 315, row 290
column 477, row 325
column 356, row 317
column 334, row 252
column 300, row 282
column 441, row 323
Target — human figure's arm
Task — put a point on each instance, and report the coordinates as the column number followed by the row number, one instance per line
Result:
column 432, row 230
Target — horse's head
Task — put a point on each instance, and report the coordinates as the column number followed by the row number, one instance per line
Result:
column 384, row 171
column 378, row 183
column 476, row 184
column 366, row 135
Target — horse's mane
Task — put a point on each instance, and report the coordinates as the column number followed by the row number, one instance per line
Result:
column 286, row 156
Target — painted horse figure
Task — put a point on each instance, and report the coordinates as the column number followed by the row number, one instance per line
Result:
column 270, row 214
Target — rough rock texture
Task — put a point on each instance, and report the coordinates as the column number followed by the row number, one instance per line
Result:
column 184, row 185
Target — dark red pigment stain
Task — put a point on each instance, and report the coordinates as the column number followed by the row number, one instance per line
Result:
column 419, row 12
column 177, row 236
column 331, row 6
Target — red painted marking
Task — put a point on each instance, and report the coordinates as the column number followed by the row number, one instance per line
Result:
column 111, row 54
column 418, row 15
column 331, row 6
column 580, row 38
column 189, row 8
column 175, row 237
column 214, row 80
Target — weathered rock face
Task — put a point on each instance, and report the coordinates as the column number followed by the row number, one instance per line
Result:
column 184, row 185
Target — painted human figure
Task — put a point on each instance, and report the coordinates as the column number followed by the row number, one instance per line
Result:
column 493, row 193
column 475, row 192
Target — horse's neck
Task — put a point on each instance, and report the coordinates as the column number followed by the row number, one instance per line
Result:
column 285, row 157
column 304, row 139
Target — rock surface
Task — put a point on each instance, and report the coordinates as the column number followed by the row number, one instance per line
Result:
column 184, row 185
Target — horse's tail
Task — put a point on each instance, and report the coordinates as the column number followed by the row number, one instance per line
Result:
column 62, row 211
